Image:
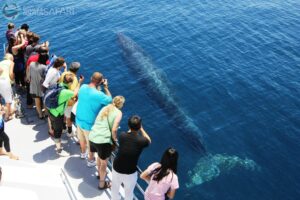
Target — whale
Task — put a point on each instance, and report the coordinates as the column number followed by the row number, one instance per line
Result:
column 159, row 89
column 211, row 166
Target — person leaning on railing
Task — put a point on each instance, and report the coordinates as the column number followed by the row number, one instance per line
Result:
column 56, row 115
column 73, row 69
column 131, row 145
column 162, row 178
column 103, row 135
column 16, row 48
column 90, row 102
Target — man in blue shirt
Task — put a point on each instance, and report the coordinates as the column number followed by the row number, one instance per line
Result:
column 90, row 102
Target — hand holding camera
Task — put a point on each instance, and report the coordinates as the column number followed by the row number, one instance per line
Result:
column 81, row 79
column 105, row 83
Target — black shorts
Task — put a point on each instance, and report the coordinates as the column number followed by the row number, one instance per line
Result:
column 103, row 150
column 57, row 124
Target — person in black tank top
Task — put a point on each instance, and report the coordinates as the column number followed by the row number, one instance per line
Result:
column 16, row 48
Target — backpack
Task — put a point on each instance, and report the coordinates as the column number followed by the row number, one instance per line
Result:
column 1, row 124
column 52, row 60
column 51, row 96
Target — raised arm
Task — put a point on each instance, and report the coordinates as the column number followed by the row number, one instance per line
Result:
column 16, row 47
column 145, row 175
column 65, row 67
column 105, row 87
column 46, row 44
column 144, row 134
column 81, row 79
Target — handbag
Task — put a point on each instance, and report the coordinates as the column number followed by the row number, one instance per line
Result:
column 114, row 144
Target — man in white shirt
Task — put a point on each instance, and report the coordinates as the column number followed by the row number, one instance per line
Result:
column 53, row 73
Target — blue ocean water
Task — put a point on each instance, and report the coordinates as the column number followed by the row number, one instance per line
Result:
column 234, row 69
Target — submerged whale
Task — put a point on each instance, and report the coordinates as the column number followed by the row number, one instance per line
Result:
column 211, row 166
column 159, row 88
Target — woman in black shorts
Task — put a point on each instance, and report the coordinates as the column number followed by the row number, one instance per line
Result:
column 104, row 134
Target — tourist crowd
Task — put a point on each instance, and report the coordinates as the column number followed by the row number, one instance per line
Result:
column 58, row 94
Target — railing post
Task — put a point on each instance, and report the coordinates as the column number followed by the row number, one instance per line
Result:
column 4, row 49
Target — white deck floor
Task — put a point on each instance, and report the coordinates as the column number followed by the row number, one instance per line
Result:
column 38, row 172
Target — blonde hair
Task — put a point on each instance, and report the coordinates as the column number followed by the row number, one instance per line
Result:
column 117, row 102
column 8, row 56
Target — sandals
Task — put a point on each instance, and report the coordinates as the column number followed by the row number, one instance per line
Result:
column 107, row 184
column 6, row 119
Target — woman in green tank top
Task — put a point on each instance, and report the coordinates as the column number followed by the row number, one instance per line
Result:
column 104, row 134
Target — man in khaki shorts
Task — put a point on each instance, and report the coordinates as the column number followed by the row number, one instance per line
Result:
column 90, row 101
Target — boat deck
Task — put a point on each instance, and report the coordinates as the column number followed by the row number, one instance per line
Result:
column 69, row 176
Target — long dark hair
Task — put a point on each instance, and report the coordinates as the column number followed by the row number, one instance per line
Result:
column 168, row 161
column 43, row 55
column 11, row 43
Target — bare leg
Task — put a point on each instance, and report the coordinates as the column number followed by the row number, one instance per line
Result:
column 69, row 122
column 38, row 107
column 91, row 154
column 102, row 172
column 58, row 144
column 2, row 151
column 50, row 127
column 82, row 146
column 8, row 111
column 98, row 166
column 4, row 139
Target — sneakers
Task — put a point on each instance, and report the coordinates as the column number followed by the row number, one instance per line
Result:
column 62, row 152
column 91, row 163
column 83, row 155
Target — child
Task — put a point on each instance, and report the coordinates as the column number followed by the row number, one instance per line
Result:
column 4, row 139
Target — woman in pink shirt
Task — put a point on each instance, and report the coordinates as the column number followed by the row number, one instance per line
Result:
column 162, row 177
